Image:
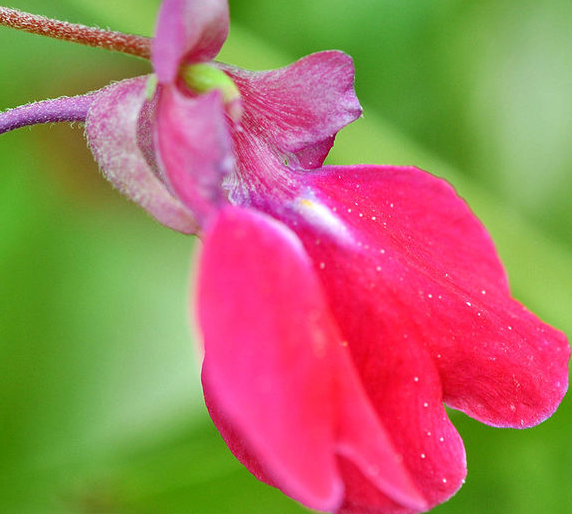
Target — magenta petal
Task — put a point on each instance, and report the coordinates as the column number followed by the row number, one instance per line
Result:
column 525, row 361
column 111, row 129
column 300, row 108
column 187, row 31
column 404, row 386
column 278, row 381
column 419, row 294
column 439, row 277
column 371, row 466
column 194, row 148
column 265, row 362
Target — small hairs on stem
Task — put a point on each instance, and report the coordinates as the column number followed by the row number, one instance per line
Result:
column 126, row 43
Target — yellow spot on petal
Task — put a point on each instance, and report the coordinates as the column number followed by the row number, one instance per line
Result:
column 306, row 203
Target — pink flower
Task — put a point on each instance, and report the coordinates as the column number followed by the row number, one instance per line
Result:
column 341, row 307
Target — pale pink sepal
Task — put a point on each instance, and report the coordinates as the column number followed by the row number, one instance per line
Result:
column 187, row 31
column 111, row 130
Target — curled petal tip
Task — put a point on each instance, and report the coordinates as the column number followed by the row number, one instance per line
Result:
column 188, row 31
column 301, row 107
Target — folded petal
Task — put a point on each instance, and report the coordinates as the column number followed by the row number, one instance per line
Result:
column 263, row 360
column 194, row 148
column 376, row 476
column 187, row 31
column 278, row 381
column 403, row 385
column 300, row 108
column 440, row 276
column 111, row 130
column 417, row 290
column 418, row 259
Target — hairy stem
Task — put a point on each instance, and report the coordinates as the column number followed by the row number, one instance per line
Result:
column 68, row 109
column 118, row 41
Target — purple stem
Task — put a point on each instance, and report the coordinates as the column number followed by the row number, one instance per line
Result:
column 66, row 108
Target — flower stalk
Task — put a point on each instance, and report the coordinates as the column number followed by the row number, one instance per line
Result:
column 91, row 36
column 65, row 108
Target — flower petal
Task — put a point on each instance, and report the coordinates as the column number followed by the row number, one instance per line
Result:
column 300, row 108
column 374, row 472
column 403, row 384
column 440, row 276
column 111, row 129
column 525, row 360
column 187, row 31
column 264, row 362
column 278, row 383
column 194, row 148
column 418, row 292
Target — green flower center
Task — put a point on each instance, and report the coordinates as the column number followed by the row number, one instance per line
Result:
column 203, row 77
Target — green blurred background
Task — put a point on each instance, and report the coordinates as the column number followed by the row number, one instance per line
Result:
column 100, row 402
